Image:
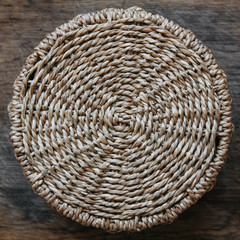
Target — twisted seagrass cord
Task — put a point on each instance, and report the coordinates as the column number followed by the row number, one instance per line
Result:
column 121, row 119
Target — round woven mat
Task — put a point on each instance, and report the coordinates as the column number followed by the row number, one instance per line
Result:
column 121, row 119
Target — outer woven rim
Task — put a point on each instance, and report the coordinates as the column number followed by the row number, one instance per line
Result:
column 220, row 87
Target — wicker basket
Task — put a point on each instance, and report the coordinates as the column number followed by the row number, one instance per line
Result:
column 121, row 119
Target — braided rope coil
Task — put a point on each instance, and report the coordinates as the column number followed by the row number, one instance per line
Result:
column 121, row 119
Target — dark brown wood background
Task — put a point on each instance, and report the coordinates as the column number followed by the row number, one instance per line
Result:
column 24, row 215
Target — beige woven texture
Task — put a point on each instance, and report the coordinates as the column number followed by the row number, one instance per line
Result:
column 121, row 119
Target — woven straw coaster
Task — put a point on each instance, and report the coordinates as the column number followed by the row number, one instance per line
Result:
column 121, row 119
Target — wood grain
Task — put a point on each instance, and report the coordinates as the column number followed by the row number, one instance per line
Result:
column 24, row 215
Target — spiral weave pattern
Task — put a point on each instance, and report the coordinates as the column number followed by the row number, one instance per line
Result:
column 121, row 119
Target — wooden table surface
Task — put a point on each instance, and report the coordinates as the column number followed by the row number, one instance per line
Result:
column 23, row 214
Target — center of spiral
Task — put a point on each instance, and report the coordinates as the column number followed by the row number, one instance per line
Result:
column 121, row 118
